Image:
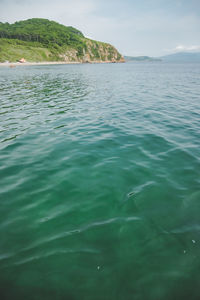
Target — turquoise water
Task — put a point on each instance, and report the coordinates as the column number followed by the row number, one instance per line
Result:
column 99, row 182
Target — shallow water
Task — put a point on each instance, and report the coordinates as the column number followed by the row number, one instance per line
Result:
column 99, row 182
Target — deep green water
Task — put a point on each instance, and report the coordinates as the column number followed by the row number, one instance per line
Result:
column 99, row 182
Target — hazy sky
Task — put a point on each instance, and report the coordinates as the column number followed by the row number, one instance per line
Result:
column 134, row 27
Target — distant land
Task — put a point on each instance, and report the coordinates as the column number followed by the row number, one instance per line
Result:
column 41, row 40
column 141, row 58
column 182, row 57
column 175, row 57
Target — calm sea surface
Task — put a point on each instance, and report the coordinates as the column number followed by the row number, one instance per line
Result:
column 100, row 182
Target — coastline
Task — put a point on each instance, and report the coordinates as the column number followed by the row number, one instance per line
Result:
column 16, row 64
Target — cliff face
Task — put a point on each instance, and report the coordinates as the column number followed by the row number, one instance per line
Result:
column 93, row 52
column 44, row 40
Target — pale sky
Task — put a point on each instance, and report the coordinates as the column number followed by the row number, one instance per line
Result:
column 134, row 27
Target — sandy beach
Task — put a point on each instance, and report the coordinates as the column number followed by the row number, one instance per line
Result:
column 16, row 64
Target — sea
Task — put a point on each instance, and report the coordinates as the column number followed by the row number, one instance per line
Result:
column 100, row 182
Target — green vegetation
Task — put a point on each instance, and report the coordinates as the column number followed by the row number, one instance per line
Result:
column 48, row 33
column 13, row 50
column 95, row 51
column 44, row 40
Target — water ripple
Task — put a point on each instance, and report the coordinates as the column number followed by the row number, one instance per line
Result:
column 99, row 178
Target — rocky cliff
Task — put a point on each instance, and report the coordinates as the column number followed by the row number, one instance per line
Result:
column 93, row 52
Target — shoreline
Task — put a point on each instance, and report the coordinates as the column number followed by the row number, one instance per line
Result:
column 16, row 64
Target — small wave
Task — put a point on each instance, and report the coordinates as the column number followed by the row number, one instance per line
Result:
column 57, row 252
column 81, row 230
column 186, row 228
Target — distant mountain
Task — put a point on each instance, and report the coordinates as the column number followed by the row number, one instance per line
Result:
column 39, row 40
column 140, row 58
column 182, row 57
column 175, row 57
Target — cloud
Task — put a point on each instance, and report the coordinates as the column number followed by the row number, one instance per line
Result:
column 183, row 48
column 187, row 48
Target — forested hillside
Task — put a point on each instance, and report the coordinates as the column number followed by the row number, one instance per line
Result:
column 52, row 42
